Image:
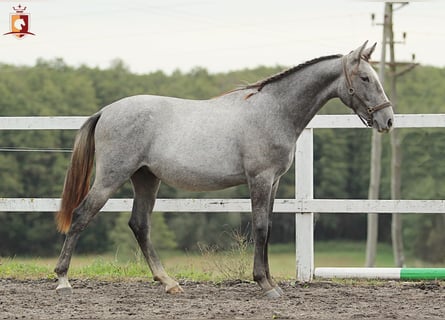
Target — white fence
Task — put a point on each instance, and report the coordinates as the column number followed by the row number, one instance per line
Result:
column 303, row 205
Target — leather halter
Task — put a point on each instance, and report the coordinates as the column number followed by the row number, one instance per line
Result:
column 351, row 91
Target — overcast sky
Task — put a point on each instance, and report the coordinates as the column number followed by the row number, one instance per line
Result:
column 219, row 35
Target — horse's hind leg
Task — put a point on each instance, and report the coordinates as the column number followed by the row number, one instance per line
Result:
column 83, row 214
column 145, row 186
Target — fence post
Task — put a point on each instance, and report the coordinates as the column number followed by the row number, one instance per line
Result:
column 304, row 221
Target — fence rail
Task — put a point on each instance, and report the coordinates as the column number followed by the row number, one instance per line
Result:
column 318, row 122
column 303, row 205
column 20, row 205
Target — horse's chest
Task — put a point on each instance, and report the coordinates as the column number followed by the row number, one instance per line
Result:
column 277, row 158
column 284, row 160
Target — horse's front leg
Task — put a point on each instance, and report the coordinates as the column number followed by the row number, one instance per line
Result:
column 269, row 229
column 260, row 194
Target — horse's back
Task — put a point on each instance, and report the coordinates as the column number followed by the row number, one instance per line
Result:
column 172, row 119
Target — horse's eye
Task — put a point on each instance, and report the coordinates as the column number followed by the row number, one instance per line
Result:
column 364, row 78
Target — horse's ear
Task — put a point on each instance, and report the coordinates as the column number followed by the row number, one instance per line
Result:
column 357, row 53
column 366, row 54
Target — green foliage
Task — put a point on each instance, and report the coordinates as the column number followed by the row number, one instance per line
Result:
column 341, row 165
column 192, row 228
column 235, row 262
column 31, row 233
column 425, row 237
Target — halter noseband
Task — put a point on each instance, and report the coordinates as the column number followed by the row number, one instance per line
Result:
column 352, row 93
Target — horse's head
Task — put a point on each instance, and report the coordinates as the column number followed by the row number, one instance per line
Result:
column 361, row 90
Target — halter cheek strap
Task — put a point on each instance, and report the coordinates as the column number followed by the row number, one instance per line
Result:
column 351, row 91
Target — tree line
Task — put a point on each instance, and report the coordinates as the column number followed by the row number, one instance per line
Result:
column 341, row 160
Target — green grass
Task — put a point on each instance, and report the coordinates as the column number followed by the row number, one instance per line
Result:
column 206, row 266
column 350, row 254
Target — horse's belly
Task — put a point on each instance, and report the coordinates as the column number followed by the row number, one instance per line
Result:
column 201, row 160
column 198, row 174
column 198, row 180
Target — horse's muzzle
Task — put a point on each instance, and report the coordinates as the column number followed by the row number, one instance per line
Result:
column 383, row 120
column 384, row 127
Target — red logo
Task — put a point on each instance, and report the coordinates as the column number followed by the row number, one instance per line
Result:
column 19, row 25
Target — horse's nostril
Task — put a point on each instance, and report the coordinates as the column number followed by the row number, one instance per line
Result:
column 389, row 123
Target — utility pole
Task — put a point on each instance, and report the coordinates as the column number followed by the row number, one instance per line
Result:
column 396, row 151
column 396, row 158
column 375, row 165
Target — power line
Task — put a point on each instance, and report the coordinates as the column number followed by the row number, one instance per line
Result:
column 26, row 149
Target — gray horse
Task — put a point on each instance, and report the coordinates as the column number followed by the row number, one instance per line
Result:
column 246, row 136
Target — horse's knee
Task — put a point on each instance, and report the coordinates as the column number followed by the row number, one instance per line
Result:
column 133, row 224
column 260, row 232
column 140, row 230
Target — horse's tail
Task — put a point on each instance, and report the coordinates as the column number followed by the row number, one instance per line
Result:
column 77, row 180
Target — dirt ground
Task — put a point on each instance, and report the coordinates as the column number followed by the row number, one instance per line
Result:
column 93, row 299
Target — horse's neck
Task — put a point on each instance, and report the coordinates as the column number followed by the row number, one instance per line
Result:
column 302, row 94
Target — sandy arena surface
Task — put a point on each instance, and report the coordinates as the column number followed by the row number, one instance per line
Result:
column 138, row 299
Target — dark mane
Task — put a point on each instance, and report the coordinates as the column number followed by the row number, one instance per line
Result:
column 262, row 83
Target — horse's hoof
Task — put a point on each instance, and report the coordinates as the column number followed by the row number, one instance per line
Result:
column 64, row 291
column 272, row 294
column 64, row 287
column 279, row 290
column 175, row 289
